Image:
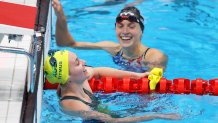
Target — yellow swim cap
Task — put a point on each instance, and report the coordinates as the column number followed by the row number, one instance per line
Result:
column 156, row 74
column 56, row 67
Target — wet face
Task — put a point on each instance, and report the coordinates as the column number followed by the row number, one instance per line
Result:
column 77, row 68
column 128, row 33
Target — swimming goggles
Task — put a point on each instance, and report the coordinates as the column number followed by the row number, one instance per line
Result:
column 52, row 60
column 128, row 16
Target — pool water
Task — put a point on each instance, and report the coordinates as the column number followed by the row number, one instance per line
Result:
column 185, row 30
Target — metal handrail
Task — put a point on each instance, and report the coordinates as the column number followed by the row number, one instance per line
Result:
column 35, row 56
column 29, row 106
column 30, row 56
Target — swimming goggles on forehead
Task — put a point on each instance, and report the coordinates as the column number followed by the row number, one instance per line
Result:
column 127, row 16
column 52, row 60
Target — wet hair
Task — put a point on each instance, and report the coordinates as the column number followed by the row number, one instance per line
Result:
column 134, row 13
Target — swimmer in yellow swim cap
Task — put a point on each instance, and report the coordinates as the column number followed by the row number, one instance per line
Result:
column 56, row 67
column 76, row 97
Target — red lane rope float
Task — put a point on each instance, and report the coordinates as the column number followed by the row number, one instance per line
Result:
column 177, row 86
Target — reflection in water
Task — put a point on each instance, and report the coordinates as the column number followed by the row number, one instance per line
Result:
column 99, row 8
column 197, row 12
column 125, row 105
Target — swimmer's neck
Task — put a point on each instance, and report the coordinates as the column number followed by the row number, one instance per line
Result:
column 133, row 52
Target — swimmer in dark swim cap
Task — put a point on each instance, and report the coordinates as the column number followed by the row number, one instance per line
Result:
column 129, row 53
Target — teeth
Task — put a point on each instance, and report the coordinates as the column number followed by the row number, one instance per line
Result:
column 126, row 38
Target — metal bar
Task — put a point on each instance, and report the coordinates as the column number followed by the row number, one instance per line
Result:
column 29, row 56
column 29, row 108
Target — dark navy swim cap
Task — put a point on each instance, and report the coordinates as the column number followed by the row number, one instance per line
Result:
column 132, row 14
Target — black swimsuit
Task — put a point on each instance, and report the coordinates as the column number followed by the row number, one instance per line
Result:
column 94, row 104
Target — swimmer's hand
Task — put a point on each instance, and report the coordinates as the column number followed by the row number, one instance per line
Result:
column 57, row 7
column 141, row 75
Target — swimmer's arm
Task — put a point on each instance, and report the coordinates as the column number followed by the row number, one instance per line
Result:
column 76, row 108
column 63, row 36
column 111, row 72
column 108, row 46
column 107, row 118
